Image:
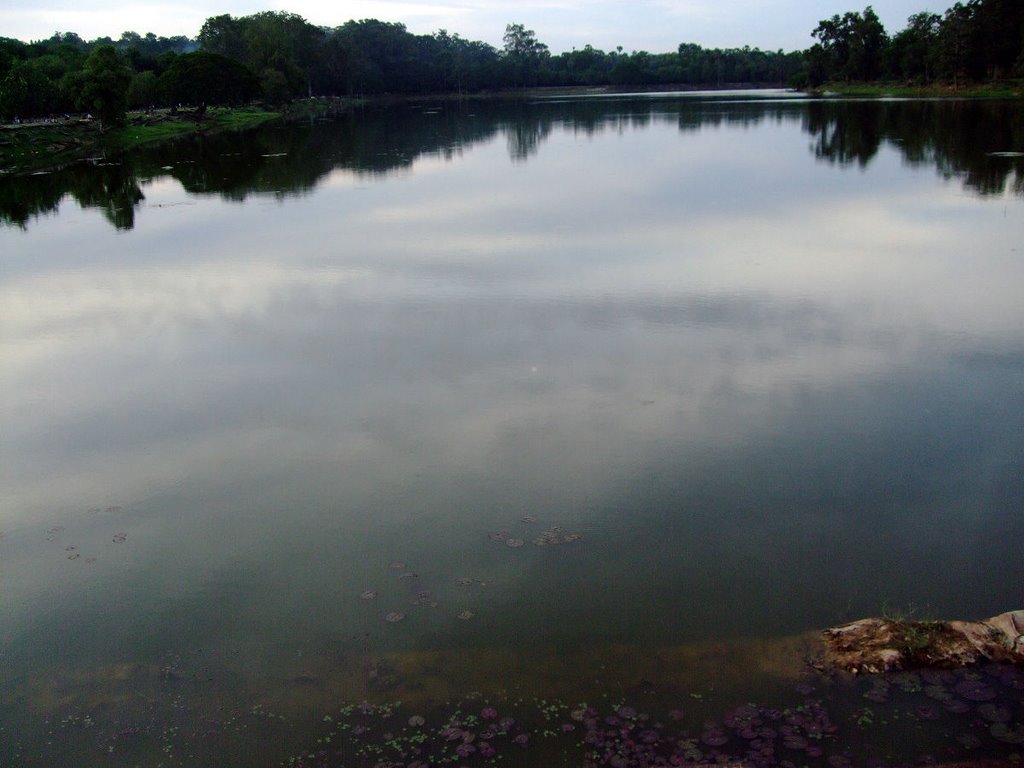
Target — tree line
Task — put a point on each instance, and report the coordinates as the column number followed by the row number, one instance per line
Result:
column 980, row 40
column 277, row 56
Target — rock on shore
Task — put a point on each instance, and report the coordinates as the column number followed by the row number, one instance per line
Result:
column 887, row 645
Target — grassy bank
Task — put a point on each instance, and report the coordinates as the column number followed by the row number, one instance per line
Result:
column 1007, row 89
column 32, row 147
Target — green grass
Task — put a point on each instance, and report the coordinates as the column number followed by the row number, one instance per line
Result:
column 42, row 146
column 141, row 129
column 236, row 119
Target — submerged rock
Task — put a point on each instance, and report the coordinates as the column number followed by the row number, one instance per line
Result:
column 887, row 645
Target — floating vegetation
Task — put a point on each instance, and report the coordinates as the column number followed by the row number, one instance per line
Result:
column 994, row 713
column 477, row 731
column 975, row 690
column 397, row 566
column 369, row 594
column 394, row 617
column 1008, row 734
column 120, row 538
column 553, row 536
column 466, row 615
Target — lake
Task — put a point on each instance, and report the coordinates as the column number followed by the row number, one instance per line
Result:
column 533, row 432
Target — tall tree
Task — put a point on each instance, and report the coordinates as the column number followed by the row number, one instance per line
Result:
column 105, row 81
column 912, row 52
column 522, row 54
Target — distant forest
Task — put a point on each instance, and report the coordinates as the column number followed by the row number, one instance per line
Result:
column 278, row 56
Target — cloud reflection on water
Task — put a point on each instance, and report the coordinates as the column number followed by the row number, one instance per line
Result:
column 616, row 317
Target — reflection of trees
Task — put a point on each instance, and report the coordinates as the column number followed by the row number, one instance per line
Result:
column 844, row 138
column 525, row 138
column 111, row 187
column 114, row 190
column 957, row 137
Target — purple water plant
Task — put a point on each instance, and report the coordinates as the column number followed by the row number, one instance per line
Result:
column 994, row 713
column 975, row 690
column 714, row 737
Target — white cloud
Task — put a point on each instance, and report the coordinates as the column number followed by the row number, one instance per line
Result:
column 654, row 25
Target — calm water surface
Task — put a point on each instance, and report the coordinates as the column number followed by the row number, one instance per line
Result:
column 731, row 368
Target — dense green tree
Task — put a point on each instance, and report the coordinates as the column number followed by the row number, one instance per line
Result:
column 105, row 86
column 851, row 46
column 27, row 91
column 206, row 78
column 142, row 90
column 224, row 35
column 955, row 43
column 912, row 53
column 522, row 54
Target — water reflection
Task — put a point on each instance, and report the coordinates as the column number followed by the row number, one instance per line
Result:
column 961, row 139
column 768, row 391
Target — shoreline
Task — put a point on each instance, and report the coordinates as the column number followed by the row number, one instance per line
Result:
column 42, row 146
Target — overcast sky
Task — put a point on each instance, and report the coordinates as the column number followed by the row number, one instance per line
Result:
column 657, row 26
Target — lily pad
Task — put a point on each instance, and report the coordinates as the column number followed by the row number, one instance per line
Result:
column 515, row 543
column 975, row 690
column 394, row 617
column 466, row 615
column 714, row 738
column 994, row 713
column 937, row 692
column 1008, row 734
column 368, row 594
